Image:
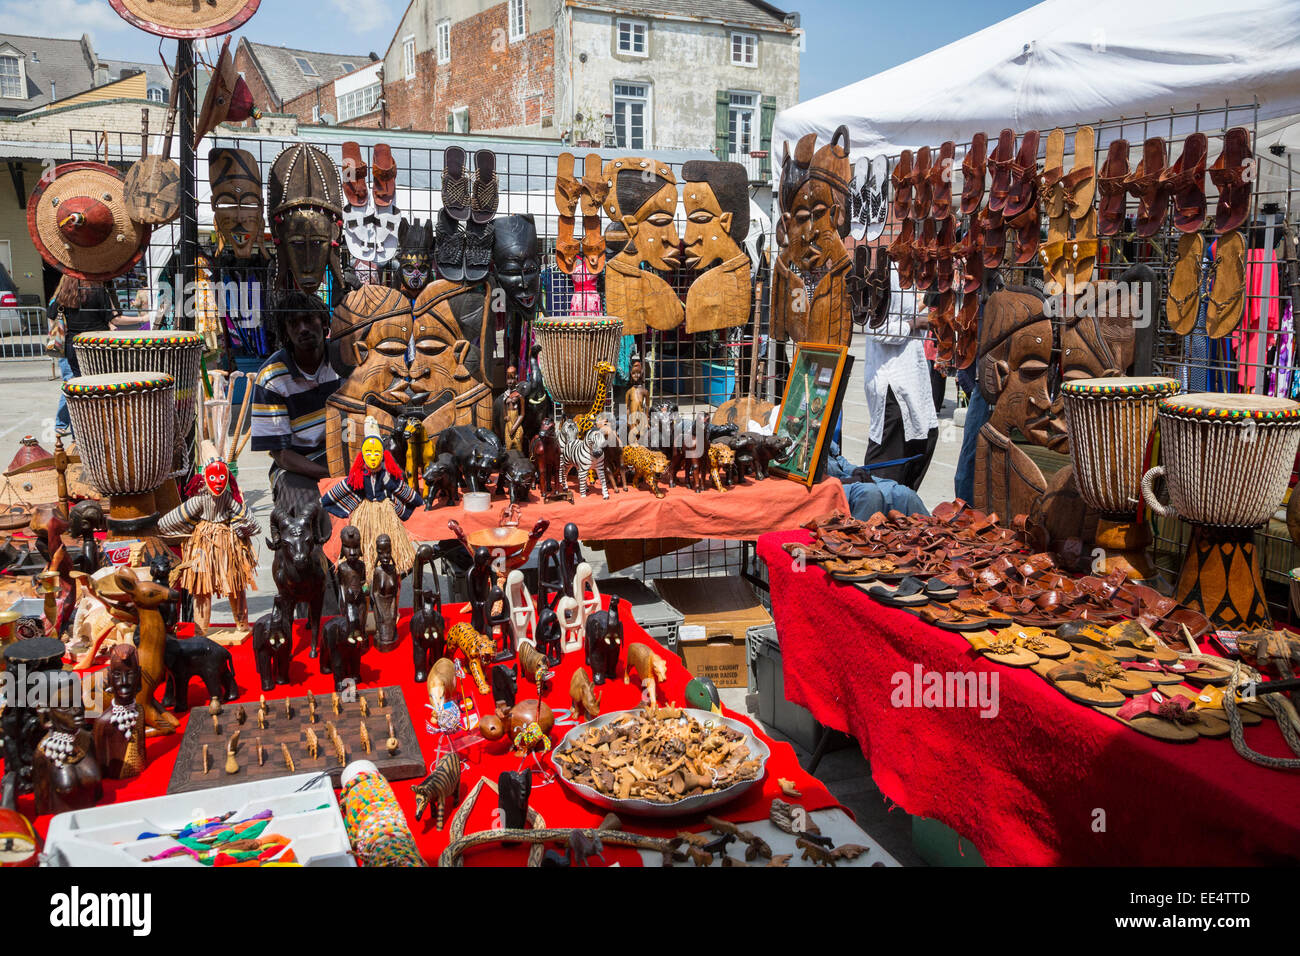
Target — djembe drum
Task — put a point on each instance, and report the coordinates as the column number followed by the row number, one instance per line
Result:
column 125, row 425
column 172, row 353
column 571, row 350
column 1110, row 420
column 1227, row 462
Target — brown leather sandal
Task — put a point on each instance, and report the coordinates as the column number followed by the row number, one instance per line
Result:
column 967, row 324
column 1228, row 176
column 900, row 250
column 927, row 254
column 595, row 189
column 941, row 181
column 944, row 253
column 945, row 332
column 993, row 227
column 1023, row 189
column 973, row 169
column 384, row 170
column 901, row 179
column 354, row 175
column 567, row 192
column 1110, row 186
column 1082, row 250
column 921, row 191
column 1026, row 226
column 1184, row 300
column 1080, row 183
column 1185, row 180
column 1051, row 191
column 1145, row 185
column 1001, row 161
column 1229, row 286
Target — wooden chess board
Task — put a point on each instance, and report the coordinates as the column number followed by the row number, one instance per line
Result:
column 291, row 731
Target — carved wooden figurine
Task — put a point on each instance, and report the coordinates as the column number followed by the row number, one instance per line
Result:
column 532, row 664
column 441, row 788
column 119, row 731
column 273, row 648
column 428, row 628
column 145, row 598
column 585, row 700
column 650, row 669
column 299, row 567
column 345, row 634
column 513, row 790
column 385, row 585
column 550, row 636
column 441, row 682
column 504, row 685
column 604, row 642
column 65, row 773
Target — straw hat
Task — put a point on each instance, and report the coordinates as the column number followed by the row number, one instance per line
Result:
column 78, row 221
column 228, row 98
column 185, row 18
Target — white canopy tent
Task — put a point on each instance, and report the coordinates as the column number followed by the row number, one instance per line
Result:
column 1061, row 63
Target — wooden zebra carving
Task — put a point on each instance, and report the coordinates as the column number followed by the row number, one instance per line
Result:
column 584, row 452
column 441, row 788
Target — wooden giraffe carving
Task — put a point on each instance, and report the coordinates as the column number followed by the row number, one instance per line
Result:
column 587, row 422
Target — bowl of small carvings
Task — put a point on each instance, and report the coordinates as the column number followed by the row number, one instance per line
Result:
column 668, row 762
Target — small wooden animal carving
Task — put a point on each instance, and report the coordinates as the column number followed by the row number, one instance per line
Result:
column 477, row 648
column 583, row 695
column 647, row 466
column 533, row 665
column 441, row 682
column 649, row 666
column 441, row 789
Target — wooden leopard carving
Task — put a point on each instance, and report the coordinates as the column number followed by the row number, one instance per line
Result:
column 646, row 465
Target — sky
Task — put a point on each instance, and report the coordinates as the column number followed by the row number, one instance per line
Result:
column 847, row 40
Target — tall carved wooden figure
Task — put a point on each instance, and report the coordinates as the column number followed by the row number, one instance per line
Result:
column 119, row 731
column 385, row 584
column 428, row 628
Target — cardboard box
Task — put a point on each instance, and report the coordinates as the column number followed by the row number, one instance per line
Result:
column 716, row 614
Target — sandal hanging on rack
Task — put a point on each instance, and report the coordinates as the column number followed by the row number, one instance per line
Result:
column 973, row 168
column 1184, row 300
column 1110, row 187
column 1185, row 181
column 567, row 192
column 1227, row 291
column 1229, row 177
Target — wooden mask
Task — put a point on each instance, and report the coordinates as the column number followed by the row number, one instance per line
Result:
column 237, row 210
column 717, row 221
column 306, row 200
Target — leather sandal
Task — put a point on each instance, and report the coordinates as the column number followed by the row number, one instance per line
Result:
column 1229, row 177
column 945, row 333
column 1022, row 192
column 967, row 323
column 1080, row 183
column 1083, row 681
column 993, row 227
column 941, row 181
column 455, row 184
column 1228, row 289
column 901, row 180
column 1082, row 250
column 927, row 253
column 483, row 202
column 1184, row 300
column 1159, row 715
column 900, row 251
column 479, row 239
column 449, row 248
column 567, row 192
column 1001, row 648
column 974, row 166
column 1110, row 187
column 921, row 190
column 1145, row 185
column 355, row 188
column 971, row 251
column 1026, row 226
column 384, row 171
column 1051, row 256
column 878, row 291
column 1051, row 190
column 595, row 189
column 1000, row 161
column 943, row 272
column 1185, row 180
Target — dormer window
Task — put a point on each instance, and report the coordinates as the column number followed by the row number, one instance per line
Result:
column 305, row 65
column 13, row 85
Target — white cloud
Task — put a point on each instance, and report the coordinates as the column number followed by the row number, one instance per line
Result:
column 60, row 18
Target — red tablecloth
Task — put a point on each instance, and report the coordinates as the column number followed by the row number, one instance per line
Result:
column 744, row 512
column 1045, row 781
column 556, row 804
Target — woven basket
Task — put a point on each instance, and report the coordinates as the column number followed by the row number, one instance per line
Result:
column 571, row 350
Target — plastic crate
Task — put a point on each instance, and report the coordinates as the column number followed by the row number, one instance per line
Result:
column 763, row 650
column 656, row 616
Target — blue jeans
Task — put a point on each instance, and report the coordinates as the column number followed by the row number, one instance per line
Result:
column 874, row 495
column 62, row 423
column 977, row 413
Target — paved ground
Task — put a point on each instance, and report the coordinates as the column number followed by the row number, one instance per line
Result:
column 29, row 396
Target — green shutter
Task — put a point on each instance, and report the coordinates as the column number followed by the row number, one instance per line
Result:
column 723, row 114
column 765, row 121
column 451, row 123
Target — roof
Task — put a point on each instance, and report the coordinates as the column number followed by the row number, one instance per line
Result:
column 285, row 78
column 741, row 12
column 155, row 73
column 63, row 63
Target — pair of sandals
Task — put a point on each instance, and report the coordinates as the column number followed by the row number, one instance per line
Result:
column 869, row 292
column 1226, row 285
column 956, row 331
column 922, row 184
column 383, row 170
column 465, row 222
column 867, row 203
column 371, row 219
column 591, row 191
column 1068, row 261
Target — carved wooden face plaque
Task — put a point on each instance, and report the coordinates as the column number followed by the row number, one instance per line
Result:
column 237, row 211
column 1017, row 370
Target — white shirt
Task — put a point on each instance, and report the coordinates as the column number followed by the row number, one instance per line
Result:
column 894, row 360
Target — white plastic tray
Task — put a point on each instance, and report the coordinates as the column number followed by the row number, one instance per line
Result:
column 106, row 836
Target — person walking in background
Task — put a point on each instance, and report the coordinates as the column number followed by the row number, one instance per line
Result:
column 86, row 307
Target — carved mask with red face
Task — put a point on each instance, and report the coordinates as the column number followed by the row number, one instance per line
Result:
column 216, row 476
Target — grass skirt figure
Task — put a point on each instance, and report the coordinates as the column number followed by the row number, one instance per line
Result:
column 375, row 500
column 217, row 558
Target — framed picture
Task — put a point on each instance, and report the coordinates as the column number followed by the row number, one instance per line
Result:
column 809, row 409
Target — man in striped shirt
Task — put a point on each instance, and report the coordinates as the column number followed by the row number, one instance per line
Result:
column 289, row 402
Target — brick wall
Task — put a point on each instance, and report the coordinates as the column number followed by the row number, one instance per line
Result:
column 506, row 86
column 253, row 77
